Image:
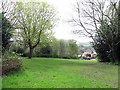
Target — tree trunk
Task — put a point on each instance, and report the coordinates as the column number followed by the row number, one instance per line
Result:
column 114, row 53
column 30, row 53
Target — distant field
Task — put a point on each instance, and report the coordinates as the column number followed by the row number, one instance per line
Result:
column 63, row 73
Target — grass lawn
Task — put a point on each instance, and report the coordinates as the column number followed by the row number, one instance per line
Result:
column 62, row 73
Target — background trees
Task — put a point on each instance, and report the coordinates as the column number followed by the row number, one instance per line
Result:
column 58, row 48
column 73, row 48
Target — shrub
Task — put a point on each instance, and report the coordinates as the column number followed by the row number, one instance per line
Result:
column 10, row 63
column 19, row 49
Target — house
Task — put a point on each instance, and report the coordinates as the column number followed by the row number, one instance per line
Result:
column 89, row 55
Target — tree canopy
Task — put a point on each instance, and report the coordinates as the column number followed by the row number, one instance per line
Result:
column 34, row 22
column 6, row 30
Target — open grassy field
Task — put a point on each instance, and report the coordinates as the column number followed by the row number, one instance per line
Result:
column 63, row 73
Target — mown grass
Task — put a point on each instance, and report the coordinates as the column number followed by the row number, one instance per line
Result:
column 62, row 73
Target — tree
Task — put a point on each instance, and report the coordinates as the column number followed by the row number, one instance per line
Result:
column 99, row 21
column 65, row 48
column 34, row 21
column 118, row 45
column 111, row 35
column 55, row 47
column 6, row 24
column 46, row 51
column 6, row 31
column 73, row 48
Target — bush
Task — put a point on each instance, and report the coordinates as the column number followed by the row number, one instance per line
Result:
column 10, row 63
column 19, row 49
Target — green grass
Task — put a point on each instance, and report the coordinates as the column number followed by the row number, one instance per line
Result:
column 63, row 73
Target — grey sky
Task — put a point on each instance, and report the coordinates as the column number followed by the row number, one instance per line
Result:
column 64, row 30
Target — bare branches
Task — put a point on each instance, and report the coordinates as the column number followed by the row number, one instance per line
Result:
column 8, row 10
column 92, row 16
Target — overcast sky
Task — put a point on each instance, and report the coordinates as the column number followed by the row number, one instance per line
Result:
column 64, row 30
